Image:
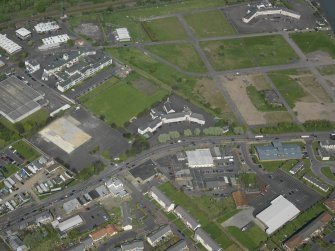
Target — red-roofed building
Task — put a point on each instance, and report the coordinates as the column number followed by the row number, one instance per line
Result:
column 109, row 230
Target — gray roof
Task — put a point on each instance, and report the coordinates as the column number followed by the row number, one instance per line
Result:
column 297, row 167
column 179, row 246
column 279, row 151
column 161, row 196
column 163, row 231
column 126, row 214
column 200, row 232
column 132, row 246
column 316, row 182
column 17, row 98
column 186, row 217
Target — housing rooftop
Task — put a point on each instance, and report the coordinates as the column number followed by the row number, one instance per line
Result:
column 8, row 45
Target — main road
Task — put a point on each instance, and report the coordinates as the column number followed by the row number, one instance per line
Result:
column 28, row 212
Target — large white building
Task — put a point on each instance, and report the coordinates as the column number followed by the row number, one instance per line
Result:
column 8, row 45
column 122, row 35
column 53, row 42
column 23, row 33
column 170, row 117
column 266, row 9
column 199, row 158
column 32, row 65
column 46, row 27
column 70, row 223
column 161, row 199
column 277, row 214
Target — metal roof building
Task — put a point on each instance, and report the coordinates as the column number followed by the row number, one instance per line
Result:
column 186, row 218
column 23, row 33
column 8, row 45
column 133, row 246
column 159, row 235
column 297, row 167
column 70, row 223
column 199, row 158
column 201, row 236
column 279, row 151
column 161, row 198
column 122, row 35
column 45, row 27
column 179, row 246
column 18, row 100
column 277, row 214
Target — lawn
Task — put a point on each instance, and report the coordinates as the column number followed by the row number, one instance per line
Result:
column 181, row 55
column 199, row 90
column 248, row 179
column 164, row 29
column 8, row 170
column 328, row 173
column 251, row 238
column 205, row 209
column 287, row 86
column 209, row 24
column 315, row 41
column 248, row 52
column 327, row 70
column 258, row 100
column 119, row 101
column 26, row 150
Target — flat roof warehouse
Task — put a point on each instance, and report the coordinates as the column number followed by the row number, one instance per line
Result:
column 8, row 45
column 17, row 100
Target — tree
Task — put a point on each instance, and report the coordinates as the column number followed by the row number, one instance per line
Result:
column 188, row 133
column 197, row 131
column 174, row 134
column 163, row 138
column 70, row 43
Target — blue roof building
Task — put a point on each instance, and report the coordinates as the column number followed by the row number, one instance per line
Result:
column 279, row 151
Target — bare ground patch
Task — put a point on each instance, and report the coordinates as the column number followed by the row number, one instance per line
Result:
column 236, row 86
column 90, row 30
column 208, row 91
column 260, row 82
column 145, row 86
column 315, row 111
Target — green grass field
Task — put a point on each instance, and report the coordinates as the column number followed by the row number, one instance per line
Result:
column 258, row 100
column 248, row 52
column 118, row 101
column 327, row 70
column 204, row 209
column 315, row 41
column 164, row 29
column 182, row 55
column 328, row 173
column 251, row 238
column 199, row 91
column 26, row 150
column 209, row 24
column 9, row 169
column 288, row 87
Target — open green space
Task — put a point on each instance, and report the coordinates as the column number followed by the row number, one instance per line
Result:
column 251, row 238
column 205, row 209
column 93, row 169
column 258, row 100
column 26, row 150
column 182, row 55
column 278, row 238
column 119, row 101
column 315, row 41
column 200, row 91
column 41, row 239
column 328, row 173
column 287, row 86
column 248, row 179
column 8, row 170
column 164, row 29
column 248, row 52
column 209, row 24
column 327, row 70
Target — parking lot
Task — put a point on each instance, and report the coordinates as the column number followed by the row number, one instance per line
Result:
column 102, row 136
column 271, row 24
column 280, row 183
